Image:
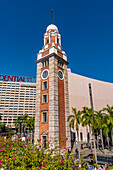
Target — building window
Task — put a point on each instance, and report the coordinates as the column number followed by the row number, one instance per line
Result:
column 47, row 41
column 44, row 98
column 57, row 41
column 45, row 63
column 44, row 85
column 60, row 64
column 44, row 117
column 44, row 140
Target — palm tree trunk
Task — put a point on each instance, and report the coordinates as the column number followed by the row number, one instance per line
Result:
column 108, row 141
column 20, row 129
column 32, row 135
column 94, row 147
column 24, row 130
column 87, row 135
column 78, row 145
column 90, row 137
column 102, row 139
column 97, row 140
column 112, row 136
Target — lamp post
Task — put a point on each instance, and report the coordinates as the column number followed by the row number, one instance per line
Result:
column 91, row 102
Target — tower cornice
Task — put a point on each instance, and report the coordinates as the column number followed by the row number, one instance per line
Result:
column 50, row 55
column 50, row 50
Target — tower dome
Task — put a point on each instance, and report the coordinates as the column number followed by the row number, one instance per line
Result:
column 52, row 27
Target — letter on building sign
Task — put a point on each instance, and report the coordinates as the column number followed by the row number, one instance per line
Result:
column 21, row 79
column 1, row 77
column 10, row 78
column 27, row 79
column 5, row 78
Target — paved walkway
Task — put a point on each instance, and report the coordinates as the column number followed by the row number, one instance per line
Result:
column 87, row 154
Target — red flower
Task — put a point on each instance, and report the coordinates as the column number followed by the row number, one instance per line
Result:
column 37, row 150
column 44, row 165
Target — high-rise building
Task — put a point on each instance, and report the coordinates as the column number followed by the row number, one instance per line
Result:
column 16, row 99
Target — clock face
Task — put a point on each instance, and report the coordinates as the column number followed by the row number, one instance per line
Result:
column 45, row 74
column 60, row 75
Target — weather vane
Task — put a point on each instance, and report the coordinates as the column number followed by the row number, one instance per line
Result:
column 52, row 16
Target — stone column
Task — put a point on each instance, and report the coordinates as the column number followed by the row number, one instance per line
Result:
column 68, row 142
column 37, row 114
column 53, row 102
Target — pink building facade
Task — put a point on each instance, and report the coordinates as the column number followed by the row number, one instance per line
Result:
column 102, row 93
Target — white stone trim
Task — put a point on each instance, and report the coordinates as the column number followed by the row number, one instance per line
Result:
column 64, row 55
column 49, row 38
column 44, row 41
column 39, row 56
column 56, row 39
column 46, row 46
column 59, row 47
column 53, row 50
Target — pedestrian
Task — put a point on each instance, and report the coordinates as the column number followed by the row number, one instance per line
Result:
column 91, row 166
column 69, row 150
column 86, row 166
column 76, row 150
column 81, row 146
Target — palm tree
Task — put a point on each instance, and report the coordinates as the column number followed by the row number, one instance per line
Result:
column 72, row 119
column 105, row 127
column 24, row 122
column 87, row 120
column 110, row 113
column 99, row 119
column 30, row 125
column 18, row 124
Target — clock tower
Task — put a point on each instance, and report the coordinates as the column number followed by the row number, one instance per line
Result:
column 52, row 100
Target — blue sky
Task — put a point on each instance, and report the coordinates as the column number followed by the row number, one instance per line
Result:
column 86, row 27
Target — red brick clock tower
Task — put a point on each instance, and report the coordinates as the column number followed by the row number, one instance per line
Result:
column 52, row 102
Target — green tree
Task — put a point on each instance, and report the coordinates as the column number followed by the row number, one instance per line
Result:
column 109, row 110
column 18, row 124
column 99, row 119
column 87, row 120
column 106, row 127
column 25, row 117
column 4, row 128
column 30, row 125
column 75, row 119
